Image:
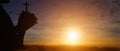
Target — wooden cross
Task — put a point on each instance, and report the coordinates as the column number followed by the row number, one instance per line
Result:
column 26, row 6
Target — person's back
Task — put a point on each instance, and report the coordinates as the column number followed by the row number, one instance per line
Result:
column 6, row 34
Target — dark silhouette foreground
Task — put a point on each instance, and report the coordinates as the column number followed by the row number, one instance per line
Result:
column 7, row 36
column 11, row 37
column 26, row 20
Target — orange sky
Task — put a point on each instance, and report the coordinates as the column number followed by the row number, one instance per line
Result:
column 91, row 18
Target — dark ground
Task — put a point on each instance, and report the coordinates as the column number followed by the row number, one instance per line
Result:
column 70, row 48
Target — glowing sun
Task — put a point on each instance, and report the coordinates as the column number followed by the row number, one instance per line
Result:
column 72, row 37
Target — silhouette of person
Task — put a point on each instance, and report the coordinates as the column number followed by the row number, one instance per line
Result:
column 7, row 35
column 12, row 37
column 25, row 21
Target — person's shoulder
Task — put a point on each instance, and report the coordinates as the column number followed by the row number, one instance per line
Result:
column 1, row 7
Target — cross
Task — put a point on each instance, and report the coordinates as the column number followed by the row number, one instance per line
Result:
column 26, row 6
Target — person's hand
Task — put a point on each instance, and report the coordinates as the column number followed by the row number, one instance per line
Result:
column 26, row 20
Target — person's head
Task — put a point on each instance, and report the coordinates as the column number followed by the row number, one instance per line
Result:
column 4, row 1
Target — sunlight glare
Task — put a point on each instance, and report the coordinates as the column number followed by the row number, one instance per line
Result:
column 72, row 37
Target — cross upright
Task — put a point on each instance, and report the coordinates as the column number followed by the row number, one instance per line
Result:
column 26, row 6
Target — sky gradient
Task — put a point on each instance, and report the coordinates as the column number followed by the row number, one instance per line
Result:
column 98, row 21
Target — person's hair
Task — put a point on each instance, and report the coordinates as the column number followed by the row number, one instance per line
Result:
column 4, row 1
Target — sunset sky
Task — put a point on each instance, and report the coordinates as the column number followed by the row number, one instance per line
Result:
column 97, row 22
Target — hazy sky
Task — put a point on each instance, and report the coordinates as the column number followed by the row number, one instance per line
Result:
column 97, row 20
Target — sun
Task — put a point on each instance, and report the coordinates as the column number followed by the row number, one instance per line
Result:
column 72, row 37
